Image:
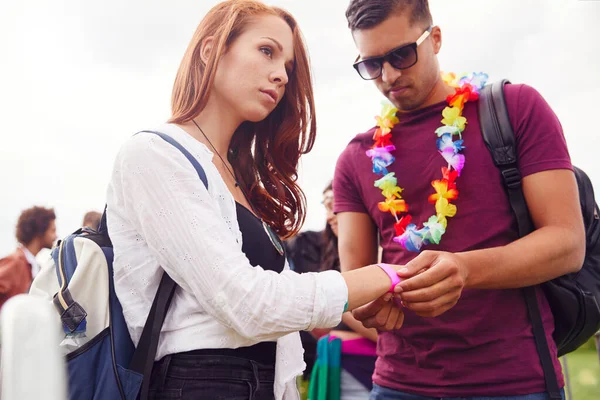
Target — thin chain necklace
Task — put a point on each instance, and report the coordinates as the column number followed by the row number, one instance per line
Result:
column 221, row 158
column 272, row 236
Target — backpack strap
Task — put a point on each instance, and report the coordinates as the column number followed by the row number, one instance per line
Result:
column 499, row 137
column 72, row 314
column 186, row 153
column 143, row 357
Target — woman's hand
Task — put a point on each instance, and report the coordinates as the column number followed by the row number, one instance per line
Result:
column 383, row 314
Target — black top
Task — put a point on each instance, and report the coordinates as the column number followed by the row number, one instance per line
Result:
column 256, row 243
column 257, row 246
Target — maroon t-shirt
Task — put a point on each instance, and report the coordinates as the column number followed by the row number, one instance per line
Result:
column 484, row 345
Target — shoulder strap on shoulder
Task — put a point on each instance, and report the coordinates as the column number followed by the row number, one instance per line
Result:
column 186, row 153
column 499, row 137
column 102, row 227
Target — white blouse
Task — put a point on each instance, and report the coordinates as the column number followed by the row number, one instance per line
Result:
column 160, row 216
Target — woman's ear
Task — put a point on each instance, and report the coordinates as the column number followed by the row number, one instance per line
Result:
column 207, row 47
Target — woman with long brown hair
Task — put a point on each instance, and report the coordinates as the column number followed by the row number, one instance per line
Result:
column 242, row 105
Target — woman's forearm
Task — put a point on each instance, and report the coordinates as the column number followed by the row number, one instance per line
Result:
column 365, row 285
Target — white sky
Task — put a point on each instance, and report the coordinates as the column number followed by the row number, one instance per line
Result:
column 77, row 78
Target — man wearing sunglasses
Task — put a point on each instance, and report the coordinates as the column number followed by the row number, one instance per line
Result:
column 466, row 332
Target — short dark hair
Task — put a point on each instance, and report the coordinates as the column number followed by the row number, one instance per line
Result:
column 92, row 219
column 365, row 14
column 34, row 222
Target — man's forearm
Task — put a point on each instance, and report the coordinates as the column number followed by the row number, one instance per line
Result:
column 545, row 254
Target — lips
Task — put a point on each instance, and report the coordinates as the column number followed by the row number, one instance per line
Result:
column 272, row 94
column 397, row 90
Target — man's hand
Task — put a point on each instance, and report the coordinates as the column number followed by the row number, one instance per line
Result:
column 382, row 314
column 432, row 282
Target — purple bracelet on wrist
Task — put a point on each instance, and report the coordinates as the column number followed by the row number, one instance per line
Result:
column 391, row 272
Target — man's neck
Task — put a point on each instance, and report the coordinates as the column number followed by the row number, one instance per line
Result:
column 438, row 94
column 34, row 247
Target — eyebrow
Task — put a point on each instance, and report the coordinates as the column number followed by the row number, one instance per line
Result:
column 387, row 52
column 279, row 46
column 289, row 64
column 420, row 40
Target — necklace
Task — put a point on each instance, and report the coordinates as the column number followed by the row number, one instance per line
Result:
column 467, row 87
column 275, row 241
column 219, row 155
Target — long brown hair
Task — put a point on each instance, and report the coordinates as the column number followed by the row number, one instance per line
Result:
column 264, row 154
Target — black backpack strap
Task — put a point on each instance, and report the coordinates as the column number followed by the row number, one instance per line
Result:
column 145, row 352
column 143, row 357
column 499, row 137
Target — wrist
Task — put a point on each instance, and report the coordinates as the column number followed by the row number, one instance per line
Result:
column 463, row 259
column 391, row 273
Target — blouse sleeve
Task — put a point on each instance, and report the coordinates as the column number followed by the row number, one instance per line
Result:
column 182, row 226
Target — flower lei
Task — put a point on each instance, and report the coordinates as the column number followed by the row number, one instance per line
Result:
column 467, row 88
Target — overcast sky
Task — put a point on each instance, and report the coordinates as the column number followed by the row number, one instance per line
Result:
column 77, row 78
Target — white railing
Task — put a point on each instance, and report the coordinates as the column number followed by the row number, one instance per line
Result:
column 32, row 367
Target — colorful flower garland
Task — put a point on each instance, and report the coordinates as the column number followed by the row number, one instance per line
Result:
column 467, row 88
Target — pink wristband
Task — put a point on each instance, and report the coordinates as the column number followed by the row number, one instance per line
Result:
column 387, row 268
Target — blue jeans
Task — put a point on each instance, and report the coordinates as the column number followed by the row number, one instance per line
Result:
column 208, row 377
column 382, row 393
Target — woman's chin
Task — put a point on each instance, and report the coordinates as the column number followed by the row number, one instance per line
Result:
column 258, row 114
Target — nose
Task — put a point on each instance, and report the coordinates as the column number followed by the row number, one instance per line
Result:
column 389, row 74
column 279, row 76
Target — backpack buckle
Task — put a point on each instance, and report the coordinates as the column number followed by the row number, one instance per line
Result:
column 512, row 178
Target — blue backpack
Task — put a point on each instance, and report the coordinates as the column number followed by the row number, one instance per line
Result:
column 102, row 362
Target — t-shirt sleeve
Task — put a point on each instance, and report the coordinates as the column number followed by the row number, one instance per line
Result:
column 540, row 141
column 347, row 193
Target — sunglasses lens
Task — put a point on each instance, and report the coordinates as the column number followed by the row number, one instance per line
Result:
column 404, row 57
column 369, row 69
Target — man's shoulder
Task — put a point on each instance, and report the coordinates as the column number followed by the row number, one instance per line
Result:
column 364, row 139
column 358, row 145
column 16, row 257
column 522, row 93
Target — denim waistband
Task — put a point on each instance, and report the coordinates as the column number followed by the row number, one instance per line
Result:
column 191, row 365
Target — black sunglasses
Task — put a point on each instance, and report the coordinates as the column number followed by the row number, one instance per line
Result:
column 402, row 57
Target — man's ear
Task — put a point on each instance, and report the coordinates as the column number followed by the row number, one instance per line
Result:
column 207, row 47
column 436, row 38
